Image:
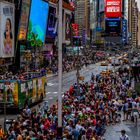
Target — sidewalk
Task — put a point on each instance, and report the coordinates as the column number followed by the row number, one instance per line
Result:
column 113, row 131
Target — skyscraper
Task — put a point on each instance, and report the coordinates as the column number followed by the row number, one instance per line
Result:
column 82, row 16
column 133, row 22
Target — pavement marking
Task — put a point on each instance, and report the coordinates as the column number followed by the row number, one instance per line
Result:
column 50, row 98
column 48, row 92
column 50, row 84
column 55, row 92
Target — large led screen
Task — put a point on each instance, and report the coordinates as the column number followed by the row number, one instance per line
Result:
column 38, row 18
column 113, row 8
column 113, row 26
column 52, row 21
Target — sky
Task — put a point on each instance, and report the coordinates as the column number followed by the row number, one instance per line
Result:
column 138, row 1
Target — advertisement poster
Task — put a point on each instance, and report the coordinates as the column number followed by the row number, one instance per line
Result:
column 41, row 88
column 124, row 31
column 7, row 29
column 34, row 96
column 52, row 21
column 22, row 94
column 30, row 90
column 23, row 26
column 67, row 26
column 38, row 19
column 1, row 92
column 113, row 26
column 113, row 8
column 101, row 5
column 12, row 93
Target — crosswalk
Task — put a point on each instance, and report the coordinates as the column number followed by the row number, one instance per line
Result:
column 51, row 92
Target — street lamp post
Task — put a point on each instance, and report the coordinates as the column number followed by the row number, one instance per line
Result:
column 5, row 101
column 59, row 129
column 78, row 73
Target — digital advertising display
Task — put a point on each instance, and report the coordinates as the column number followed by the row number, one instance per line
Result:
column 52, row 21
column 113, row 26
column 23, row 25
column 101, row 5
column 7, row 24
column 38, row 19
column 124, row 30
column 113, row 8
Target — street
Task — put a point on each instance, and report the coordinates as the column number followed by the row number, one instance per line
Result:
column 113, row 131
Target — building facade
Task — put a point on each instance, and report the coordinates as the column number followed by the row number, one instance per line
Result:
column 133, row 22
column 139, row 29
column 82, row 18
column 93, row 20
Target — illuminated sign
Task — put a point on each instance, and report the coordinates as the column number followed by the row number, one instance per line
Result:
column 52, row 24
column 113, row 26
column 38, row 19
column 113, row 8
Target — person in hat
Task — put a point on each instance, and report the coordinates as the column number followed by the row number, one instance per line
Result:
column 124, row 136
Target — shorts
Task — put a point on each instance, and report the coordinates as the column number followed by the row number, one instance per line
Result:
column 136, row 115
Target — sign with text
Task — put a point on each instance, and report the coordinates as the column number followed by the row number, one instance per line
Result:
column 113, row 8
column 113, row 26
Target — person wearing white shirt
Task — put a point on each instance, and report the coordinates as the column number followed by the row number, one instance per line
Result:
column 124, row 136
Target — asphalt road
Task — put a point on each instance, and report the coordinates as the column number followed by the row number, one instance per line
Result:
column 68, row 80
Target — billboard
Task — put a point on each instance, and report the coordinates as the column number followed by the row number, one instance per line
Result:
column 124, row 30
column 7, row 18
column 38, row 18
column 113, row 26
column 67, row 26
column 101, row 5
column 52, row 23
column 113, row 8
column 23, row 26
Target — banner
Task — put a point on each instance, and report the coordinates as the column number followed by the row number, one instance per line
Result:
column 101, row 5
column 11, row 91
column 2, row 92
column 113, row 8
column 41, row 88
column 124, row 30
column 38, row 19
column 22, row 94
column 7, row 24
column 34, row 94
column 52, row 23
column 23, row 26
column 67, row 26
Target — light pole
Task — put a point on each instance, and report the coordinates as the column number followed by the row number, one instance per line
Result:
column 5, row 101
column 59, row 129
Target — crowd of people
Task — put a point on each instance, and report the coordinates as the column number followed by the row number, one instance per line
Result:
column 69, row 64
column 88, row 109
column 23, row 75
column 70, row 61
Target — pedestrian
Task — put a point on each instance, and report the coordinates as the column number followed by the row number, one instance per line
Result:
column 124, row 136
column 1, row 132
